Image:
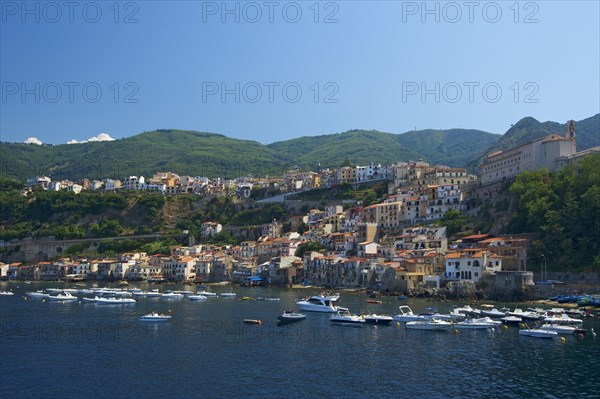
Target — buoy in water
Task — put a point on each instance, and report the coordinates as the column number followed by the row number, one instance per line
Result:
column 563, row 339
column 505, row 327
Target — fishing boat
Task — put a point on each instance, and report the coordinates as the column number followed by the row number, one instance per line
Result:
column 289, row 316
column 65, row 296
column 378, row 319
column 320, row 303
column 345, row 317
column 431, row 324
column 197, row 298
column 406, row 314
column 156, row 317
column 537, row 333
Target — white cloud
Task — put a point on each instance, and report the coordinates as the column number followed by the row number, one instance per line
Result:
column 100, row 137
column 33, row 140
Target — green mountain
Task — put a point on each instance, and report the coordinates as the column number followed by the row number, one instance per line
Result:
column 452, row 147
column 208, row 154
column 181, row 151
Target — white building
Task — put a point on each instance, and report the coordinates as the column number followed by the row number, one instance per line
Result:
column 541, row 153
column 134, row 183
column 470, row 265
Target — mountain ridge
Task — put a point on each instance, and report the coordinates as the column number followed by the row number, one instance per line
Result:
column 189, row 152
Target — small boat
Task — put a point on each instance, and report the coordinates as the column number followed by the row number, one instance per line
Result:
column 153, row 294
column 562, row 319
column 402, row 297
column 378, row 319
column 492, row 313
column 525, row 315
column 320, row 303
column 289, row 316
column 252, row 321
column 559, row 329
column 487, row 320
column 375, row 301
column 406, row 314
column 88, row 300
column 473, row 324
column 171, row 295
column 538, row 333
column 184, row 292
column 511, row 320
column 268, row 299
column 66, row 296
column 432, row 324
column 37, row 294
column 114, row 301
column 345, row 317
column 433, row 313
column 207, row 294
column 155, row 317
column 228, row 295
column 246, row 298
column 6, row 293
column 197, row 298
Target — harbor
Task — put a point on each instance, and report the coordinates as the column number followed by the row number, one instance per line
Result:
column 214, row 345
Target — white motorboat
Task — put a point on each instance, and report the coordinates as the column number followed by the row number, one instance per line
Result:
column 54, row 290
column 525, row 315
column 473, row 324
column 207, row 294
column 492, row 313
column 65, row 296
column 487, row 320
column 88, row 300
column 197, row 298
column 466, row 310
column 185, row 292
column 153, row 294
column 345, row 317
column 511, row 320
column 538, row 333
column 378, row 319
column 228, row 295
column 431, row 324
column 37, row 294
column 6, row 293
column 406, row 314
column 289, row 316
column 320, row 303
column 114, row 301
column 171, row 295
column 558, row 328
column 562, row 319
column 155, row 317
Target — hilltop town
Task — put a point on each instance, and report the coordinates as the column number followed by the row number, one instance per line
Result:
column 396, row 237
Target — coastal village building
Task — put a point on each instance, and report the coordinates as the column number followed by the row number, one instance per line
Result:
column 546, row 152
column 470, row 265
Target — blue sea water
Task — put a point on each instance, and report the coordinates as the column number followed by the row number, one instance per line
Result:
column 79, row 350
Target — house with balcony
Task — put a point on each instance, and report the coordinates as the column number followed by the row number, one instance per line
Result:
column 470, row 265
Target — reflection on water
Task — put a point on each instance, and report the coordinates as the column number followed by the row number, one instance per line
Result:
column 207, row 350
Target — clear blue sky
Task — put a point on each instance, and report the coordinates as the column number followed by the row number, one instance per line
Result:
column 374, row 58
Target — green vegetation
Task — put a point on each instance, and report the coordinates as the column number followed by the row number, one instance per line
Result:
column 367, row 193
column 563, row 210
column 308, row 247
